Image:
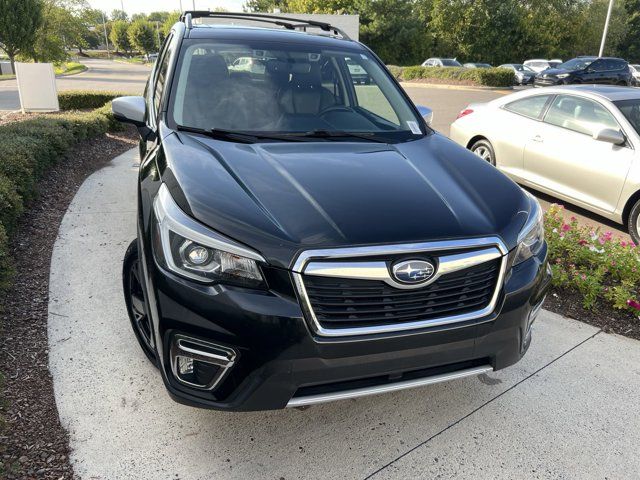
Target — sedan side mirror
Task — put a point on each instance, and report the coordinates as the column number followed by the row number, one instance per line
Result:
column 132, row 110
column 426, row 113
column 610, row 135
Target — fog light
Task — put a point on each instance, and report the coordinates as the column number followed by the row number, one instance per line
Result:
column 185, row 366
column 200, row 364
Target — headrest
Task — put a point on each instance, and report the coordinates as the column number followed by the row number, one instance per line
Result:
column 206, row 67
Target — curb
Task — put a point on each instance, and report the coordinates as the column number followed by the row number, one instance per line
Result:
column 504, row 90
column 86, row 69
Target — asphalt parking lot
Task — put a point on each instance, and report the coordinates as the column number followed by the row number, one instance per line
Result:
column 567, row 410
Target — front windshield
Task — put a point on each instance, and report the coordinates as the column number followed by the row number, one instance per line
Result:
column 448, row 62
column 631, row 110
column 576, row 64
column 285, row 89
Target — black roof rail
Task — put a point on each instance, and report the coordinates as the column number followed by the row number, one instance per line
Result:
column 279, row 20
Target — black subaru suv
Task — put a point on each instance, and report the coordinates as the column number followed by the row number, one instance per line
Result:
column 303, row 237
column 592, row 70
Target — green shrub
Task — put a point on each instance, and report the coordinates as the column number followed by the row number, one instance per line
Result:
column 85, row 99
column 29, row 148
column 395, row 70
column 489, row 77
column 595, row 264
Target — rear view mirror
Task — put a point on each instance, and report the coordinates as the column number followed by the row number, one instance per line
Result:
column 610, row 135
column 426, row 113
column 129, row 110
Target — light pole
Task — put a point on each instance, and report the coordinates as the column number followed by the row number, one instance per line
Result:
column 181, row 7
column 106, row 39
column 606, row 28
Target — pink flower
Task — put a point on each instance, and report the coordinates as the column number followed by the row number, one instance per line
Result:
column 574, row 219
column 623, row 244
column 633, row 304
column 583, row 276
column 582, row 242
column 566, row 227
column 608, row 236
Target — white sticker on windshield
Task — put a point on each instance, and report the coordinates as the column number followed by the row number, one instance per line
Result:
column 413, row 126
column 363, row 56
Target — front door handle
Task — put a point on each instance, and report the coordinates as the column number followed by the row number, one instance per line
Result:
column 537, row 138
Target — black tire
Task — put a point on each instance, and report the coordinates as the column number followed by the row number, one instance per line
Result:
column 134, row 297
column 484, row 150
column 633, row 223
column 622, row 83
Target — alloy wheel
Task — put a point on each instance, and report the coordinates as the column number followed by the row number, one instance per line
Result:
column 483, row 152
column 138, row 306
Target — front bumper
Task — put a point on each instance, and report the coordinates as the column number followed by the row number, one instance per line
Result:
column 279, row 360
column 548, row 82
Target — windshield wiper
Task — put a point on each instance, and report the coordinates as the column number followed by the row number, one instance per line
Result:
column 329, row 134
column 237, row 136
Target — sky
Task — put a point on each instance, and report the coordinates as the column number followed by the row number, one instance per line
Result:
column 146, row 6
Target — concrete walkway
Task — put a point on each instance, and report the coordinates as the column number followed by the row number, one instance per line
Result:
column 568, row 410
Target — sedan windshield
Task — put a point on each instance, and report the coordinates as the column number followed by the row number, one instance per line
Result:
column 576, row 64
column 287, row 90
column 449, row 62
column 631, row 110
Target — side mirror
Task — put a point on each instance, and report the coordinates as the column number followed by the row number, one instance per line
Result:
column 132, row 110
column 129, row 110
column 610, row 135
column 426, row 113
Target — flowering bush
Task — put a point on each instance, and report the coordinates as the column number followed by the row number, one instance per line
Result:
column 598, row 265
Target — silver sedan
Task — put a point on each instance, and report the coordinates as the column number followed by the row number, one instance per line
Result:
column 579, row 143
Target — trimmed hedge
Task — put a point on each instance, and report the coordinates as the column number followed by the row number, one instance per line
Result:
column 487, row 77
column 30, row 147
column 85, row 99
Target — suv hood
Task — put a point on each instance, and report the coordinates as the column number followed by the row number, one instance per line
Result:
column 554, row 72
column 282, row 198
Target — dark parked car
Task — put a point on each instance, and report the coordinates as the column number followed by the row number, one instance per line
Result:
column 523, row 74
column 592, row 70
column 302, row 238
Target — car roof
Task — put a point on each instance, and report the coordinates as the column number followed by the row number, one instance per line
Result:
column 259, row 34
column 609, row 92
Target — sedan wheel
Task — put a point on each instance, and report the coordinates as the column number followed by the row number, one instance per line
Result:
column 135, row 302
column 634, row 223
column 484, row 150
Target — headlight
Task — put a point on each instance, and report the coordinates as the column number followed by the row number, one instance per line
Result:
column 531, row 238
column 188, row 248
column 563, row 75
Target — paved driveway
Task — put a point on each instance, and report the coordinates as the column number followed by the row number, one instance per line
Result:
column 568, row 410
column 101, row 75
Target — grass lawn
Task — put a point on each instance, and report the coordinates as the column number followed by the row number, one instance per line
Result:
column 69, row 68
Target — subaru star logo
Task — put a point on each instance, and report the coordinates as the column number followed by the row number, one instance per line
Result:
column 413, row 271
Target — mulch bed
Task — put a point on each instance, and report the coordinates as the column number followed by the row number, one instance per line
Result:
column 33, row 444
column 609, row 320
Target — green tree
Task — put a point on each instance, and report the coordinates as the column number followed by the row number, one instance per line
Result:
column 119, row 36
column 19, row 23
column 119, row 15
column 158, row 16
column 142, row 36
column 171, row 19
column 630, row 44
column 138, row 16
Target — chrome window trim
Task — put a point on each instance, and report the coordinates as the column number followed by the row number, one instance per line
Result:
column 389, row 387
column 349, row 252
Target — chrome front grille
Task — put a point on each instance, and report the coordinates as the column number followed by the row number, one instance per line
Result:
column 351, row 291
column 342, row 303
